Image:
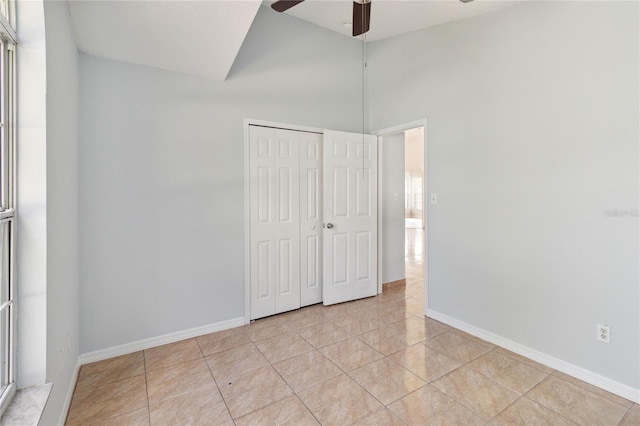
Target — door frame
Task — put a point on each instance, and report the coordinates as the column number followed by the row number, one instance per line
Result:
column 247, row 199
column 425, row 205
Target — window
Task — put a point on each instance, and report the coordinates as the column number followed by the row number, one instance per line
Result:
column 7, row 9
column 7, row 204
column 413, row 194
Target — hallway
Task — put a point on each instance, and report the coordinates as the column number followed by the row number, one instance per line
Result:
column 414, row 261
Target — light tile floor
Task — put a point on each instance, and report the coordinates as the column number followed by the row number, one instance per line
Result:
column 375, row 361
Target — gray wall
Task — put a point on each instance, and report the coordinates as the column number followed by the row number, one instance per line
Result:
column 392, row 210
column 161, row 174
column 63, row 291
column 533, row 136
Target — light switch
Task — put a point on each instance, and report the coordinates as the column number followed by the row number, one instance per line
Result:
column 434, row 198
column 395, row 196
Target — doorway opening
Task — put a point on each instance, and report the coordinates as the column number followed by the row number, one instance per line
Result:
column 402, row 209
column 414, row 211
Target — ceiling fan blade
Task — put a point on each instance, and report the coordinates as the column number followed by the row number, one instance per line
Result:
column 282, row 5
column 361, row 17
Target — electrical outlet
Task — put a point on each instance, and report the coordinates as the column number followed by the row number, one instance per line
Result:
column 604, row 333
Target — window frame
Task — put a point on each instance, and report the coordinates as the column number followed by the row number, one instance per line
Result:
column 8, row 12
column 8, row 80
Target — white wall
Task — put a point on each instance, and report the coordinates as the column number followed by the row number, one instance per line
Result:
column 161, row 174
column 533, row 136
column 392, row 209
column 31, row 195
column 63, row 291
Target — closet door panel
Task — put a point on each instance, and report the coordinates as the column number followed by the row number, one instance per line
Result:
column 262, row 199
column 275, row 221
column 310, row 218
column 287, row 230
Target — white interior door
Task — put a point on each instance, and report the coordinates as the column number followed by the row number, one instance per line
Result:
column 350, row 217
column 274, row 192
column 310, row 218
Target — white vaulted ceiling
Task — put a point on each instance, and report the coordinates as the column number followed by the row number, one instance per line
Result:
column 193, row 37
column 203, row 37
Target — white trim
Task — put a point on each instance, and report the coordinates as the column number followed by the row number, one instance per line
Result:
column 7, row 397
column 128, row 348
column 580, row 373
column 425, row 206
column 7, row 29
column 380, row 241
column 67, row 400
column 247, row 225
column 401, row 127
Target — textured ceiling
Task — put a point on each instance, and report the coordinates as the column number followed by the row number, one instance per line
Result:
column 194, row 37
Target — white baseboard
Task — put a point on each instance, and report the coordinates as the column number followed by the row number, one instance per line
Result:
column 67, row 399
column 590, row 377
column 140, row 345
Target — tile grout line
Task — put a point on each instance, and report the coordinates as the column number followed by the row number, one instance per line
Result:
column 549, row 376
column 505, row 408
column 626, row 413
column 544, row 406
column 293, row 392
column 384, row 406
column 461, row 402
column 344, row 372
column 110, row 383
column 146, row 385
column 216, row 382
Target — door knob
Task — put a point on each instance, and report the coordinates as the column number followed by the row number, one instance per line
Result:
column 329, row 225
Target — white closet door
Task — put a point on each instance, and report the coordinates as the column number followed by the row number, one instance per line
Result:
column 275, row 221
column 350, row 216
column 310, row 218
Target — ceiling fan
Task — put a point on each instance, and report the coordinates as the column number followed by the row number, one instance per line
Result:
column 361, row 13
